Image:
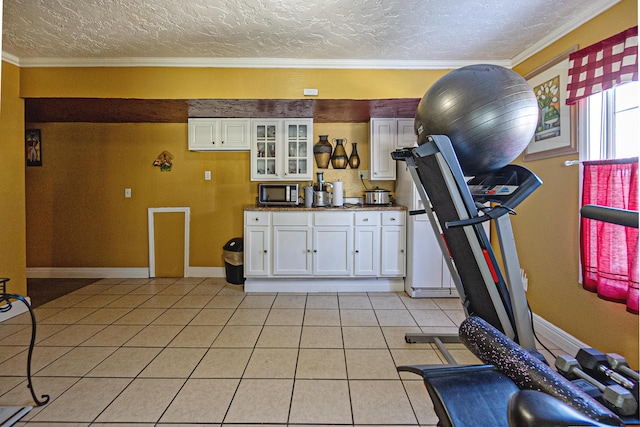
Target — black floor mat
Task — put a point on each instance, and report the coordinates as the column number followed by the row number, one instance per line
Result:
column 41, row 291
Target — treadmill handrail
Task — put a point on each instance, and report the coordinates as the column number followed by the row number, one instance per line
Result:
column 489, row 214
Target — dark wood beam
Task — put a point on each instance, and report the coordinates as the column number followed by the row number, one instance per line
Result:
column 118, row 110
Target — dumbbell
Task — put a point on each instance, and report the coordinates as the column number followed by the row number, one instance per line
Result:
column 618, row 397
column 619, row 364
column 595, row 361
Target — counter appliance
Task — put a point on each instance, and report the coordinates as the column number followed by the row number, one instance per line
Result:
column 278, row 194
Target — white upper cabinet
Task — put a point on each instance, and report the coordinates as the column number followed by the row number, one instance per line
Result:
column 219, row 134
column 387, row 135
column 281, row 149
column 406, row 136
column 383, row 142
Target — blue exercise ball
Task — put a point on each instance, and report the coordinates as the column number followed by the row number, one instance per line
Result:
column 488, row 112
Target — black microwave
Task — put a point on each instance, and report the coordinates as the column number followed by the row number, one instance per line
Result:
column 278, row 194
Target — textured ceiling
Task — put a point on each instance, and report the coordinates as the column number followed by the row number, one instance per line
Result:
column 402, row 33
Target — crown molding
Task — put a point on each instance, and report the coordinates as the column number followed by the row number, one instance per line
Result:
column 11, row 59
column 247, row 63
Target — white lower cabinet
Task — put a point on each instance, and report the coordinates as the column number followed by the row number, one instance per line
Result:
column 291, row 244
column 324, row 251
column 393, row 259
column 257, row 244
column 366, row 259
column 333, row 244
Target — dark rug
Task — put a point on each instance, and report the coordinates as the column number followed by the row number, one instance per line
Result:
column 41, row 291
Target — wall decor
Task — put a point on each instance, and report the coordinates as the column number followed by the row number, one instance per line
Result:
column 164, row 161
column 556, row 133
column 33, row 147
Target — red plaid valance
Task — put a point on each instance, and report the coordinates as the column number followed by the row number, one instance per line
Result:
column 603, row 65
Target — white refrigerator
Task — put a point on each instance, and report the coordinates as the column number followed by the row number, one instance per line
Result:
column 427, row 274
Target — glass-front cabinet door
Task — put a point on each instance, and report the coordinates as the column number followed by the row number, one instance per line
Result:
column 282, row 149
column 265, row 150
column 298, row 148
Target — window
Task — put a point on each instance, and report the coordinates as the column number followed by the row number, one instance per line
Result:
column 609, row 151
column 612, row 118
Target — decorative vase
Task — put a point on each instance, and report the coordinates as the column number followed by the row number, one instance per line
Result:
column 339, row 157
column 322, row 152
column 354, row 159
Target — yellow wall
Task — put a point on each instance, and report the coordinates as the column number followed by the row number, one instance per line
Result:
column 546, row 227
column 78, row 217
column 77, row 213
column 12, row 198
column 194, row 83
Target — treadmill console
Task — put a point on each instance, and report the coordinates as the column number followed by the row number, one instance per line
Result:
column 508, row 186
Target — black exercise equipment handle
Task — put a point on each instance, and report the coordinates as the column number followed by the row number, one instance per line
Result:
column 612, row 215
column 6, row 303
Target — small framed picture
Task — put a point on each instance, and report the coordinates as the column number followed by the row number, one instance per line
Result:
column 33, row 147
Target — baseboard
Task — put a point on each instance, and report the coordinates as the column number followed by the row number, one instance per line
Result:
column 17, row 308
column 381, row 284
column 432, row 293
column 86, row 273
column 557, row 336
column 108, row 273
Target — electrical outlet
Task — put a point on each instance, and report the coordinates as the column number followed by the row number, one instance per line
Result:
column 363, row 174
column 525, row 280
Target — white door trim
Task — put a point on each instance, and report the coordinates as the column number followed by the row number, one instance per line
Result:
column 152, row 261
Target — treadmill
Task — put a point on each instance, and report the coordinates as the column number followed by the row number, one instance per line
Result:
column 457, row 209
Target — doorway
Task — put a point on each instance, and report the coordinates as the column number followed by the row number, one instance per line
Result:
column 168, row 242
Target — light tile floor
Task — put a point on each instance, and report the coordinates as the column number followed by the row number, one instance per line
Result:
column 195, row 352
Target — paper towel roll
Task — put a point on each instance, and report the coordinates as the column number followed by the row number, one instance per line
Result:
column 338, row 195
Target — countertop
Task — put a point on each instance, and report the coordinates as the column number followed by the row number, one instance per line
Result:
column 346, row 207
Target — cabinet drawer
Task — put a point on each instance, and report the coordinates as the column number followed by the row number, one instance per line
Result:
column 256, row 218
column 291, row 218
column 393, row 218
column 332, row 218
column 367, row 218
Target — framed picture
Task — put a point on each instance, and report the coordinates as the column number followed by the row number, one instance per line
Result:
column 33, row 147
column 556, row 133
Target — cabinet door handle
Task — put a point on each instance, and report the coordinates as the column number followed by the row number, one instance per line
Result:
column 315, row 251
column 357, row 251
column 393, row 219
column 365, row 219
column 222, row 142
column 257, row 219
column 265, row 251
column 213, row 142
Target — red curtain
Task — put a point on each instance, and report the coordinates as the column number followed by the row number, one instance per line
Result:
column 609, row 252
column 603, row 65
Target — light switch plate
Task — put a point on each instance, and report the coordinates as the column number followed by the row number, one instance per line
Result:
column 127, row 193
column 207, row 175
